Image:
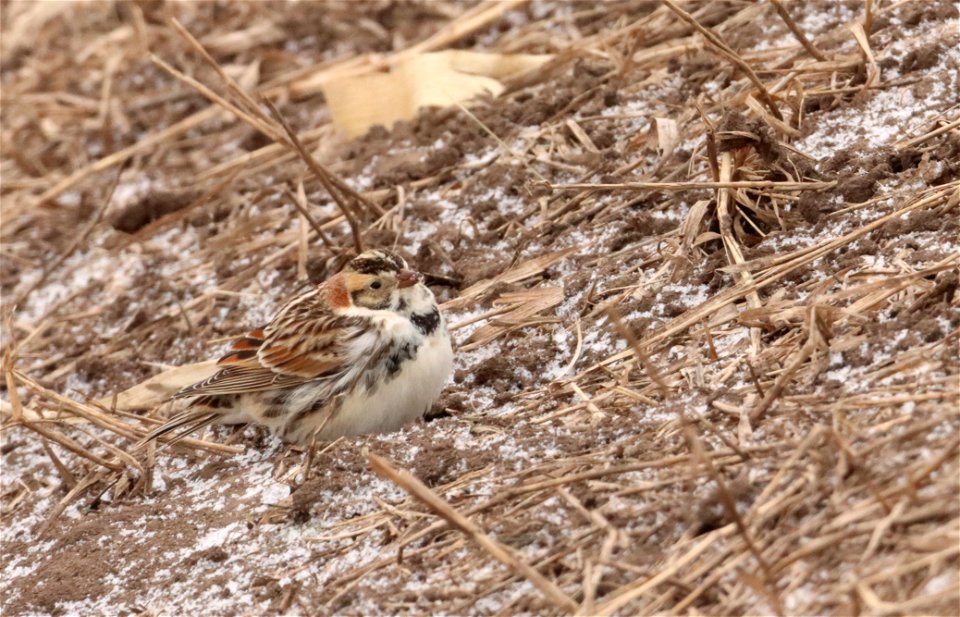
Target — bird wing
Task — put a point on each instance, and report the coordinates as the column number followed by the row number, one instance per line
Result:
column 305, row 342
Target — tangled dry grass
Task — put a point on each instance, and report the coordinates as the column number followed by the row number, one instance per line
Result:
column 701, row 265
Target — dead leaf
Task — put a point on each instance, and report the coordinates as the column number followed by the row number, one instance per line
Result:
column 706, row 236
column 668, row 136
column 517, row 307
column 516, row 274
column 359, row 101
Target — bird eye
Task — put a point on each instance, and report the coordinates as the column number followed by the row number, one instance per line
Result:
column 375, row 285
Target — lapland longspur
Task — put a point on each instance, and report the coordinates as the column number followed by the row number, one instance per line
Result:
column 366, row 351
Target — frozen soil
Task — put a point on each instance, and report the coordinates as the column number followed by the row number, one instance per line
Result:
column 550, row 435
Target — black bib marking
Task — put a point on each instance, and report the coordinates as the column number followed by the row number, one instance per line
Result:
column 426, row 323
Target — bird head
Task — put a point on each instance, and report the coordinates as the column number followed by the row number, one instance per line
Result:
column 378, row 280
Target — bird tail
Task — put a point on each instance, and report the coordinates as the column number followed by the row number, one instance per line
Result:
column 184, row 423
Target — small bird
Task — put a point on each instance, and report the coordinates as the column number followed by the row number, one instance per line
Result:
column 365, row 351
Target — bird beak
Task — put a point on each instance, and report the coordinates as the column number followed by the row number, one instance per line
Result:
column 408, row 278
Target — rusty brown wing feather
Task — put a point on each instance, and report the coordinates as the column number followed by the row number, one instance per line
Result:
column 304, row 342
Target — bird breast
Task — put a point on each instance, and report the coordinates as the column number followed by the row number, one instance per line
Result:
column 398, row 390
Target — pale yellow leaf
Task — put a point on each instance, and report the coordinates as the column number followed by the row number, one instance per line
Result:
column 360, row 101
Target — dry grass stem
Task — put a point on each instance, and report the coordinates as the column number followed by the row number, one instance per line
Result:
column 730, row 55
column 496, row 550
column 700, row 266
column 797, row 32
column 691, row 186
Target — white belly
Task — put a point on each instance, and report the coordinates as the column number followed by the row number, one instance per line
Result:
column 403, row 399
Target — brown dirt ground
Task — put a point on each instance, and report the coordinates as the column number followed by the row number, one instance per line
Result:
column 840, row 498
